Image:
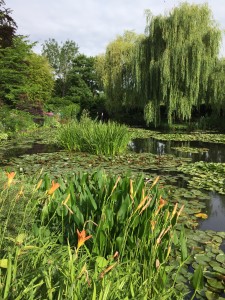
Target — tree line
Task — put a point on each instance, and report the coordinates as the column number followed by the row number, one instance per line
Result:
column 59, row 76
column 171, row 72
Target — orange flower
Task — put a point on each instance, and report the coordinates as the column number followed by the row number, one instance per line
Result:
column 54, row 187
column 162, row 202
column 10, row 177
column 82, row 238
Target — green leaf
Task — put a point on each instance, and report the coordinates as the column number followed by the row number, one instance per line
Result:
column 90, row 197
column 216, row 284
column 20, row 238
column 124, row 208
column 210, row 295
column 183, row 241
column 220, row 258
column 4, row 263
column 101, row 262
column 197, row 279
column 94, row 292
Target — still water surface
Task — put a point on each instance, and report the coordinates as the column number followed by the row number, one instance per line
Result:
column 212, row 152
column 215, row 206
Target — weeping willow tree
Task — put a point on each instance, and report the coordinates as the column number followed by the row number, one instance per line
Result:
column 116, row 69
column 170, row 66
column 177, row 58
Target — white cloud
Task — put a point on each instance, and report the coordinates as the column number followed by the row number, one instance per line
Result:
column 92, row 24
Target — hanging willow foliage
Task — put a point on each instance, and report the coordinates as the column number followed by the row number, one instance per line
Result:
column 216, row 87
column 169, row 66
column 184, row 47
column 116, row 72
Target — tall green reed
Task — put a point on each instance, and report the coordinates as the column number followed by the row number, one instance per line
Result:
column 94, row 137
column 130, row 226
column 129, row 217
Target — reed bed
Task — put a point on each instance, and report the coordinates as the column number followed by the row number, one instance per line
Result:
column 88, row 236
column 94, row 137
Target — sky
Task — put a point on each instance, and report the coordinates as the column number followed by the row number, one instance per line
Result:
column 93, row 24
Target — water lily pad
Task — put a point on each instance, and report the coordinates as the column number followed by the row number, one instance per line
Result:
column 202, row 258
column 208, row 275
column 215, row 284
column 219, row 270
column 220, row 258
column 214, row 264
column 217, row 239
column 211, row 296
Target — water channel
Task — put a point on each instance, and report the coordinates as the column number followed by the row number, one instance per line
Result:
column 213, row 152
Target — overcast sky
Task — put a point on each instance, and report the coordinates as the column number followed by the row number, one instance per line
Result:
column 92, row 24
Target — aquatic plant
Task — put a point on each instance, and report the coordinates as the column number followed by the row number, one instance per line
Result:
column 209, row 176
column 94, row 137
column 125, row 255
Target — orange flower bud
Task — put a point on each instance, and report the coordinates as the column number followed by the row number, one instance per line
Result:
column 54, row 187
column 10, row 177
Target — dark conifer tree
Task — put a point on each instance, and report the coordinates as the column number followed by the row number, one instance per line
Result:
column 8, row 26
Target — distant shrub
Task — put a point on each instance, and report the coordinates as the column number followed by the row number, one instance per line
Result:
column 64, row 107
column 14, row 120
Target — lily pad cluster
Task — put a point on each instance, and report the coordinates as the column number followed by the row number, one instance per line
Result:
column 210, row 176
column 190, row 149
column 194, row 136
column 204, row 247
column 184, row 183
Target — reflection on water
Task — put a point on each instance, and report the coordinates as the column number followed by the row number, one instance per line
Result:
column 215, row 206
column 31, row 149
column 215, row 152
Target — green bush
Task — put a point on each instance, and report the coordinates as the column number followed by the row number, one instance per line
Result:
column 15, row 120
column 70, row 111
column 3, row 134
column 94, row 137
column 52, row 121
column 64, row 107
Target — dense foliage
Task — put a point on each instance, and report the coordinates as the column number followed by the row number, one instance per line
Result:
column 172, row 69
column 7, row 26
column 87, row 236
column 171, row 73
column 94, row 137
column 24, row 75
column 60, row 58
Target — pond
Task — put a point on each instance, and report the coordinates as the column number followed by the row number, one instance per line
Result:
column 152, row 157
column 211, row 152
column 208, row 152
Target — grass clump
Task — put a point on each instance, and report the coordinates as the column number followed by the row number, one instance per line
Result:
column 94, row 137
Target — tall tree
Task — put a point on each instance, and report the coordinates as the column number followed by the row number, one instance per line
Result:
column 25, row 77
column 83, row 86
column 169, row 67
column 7, row 26
column 116, row 70
column 182, row 49
column 60, row 57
